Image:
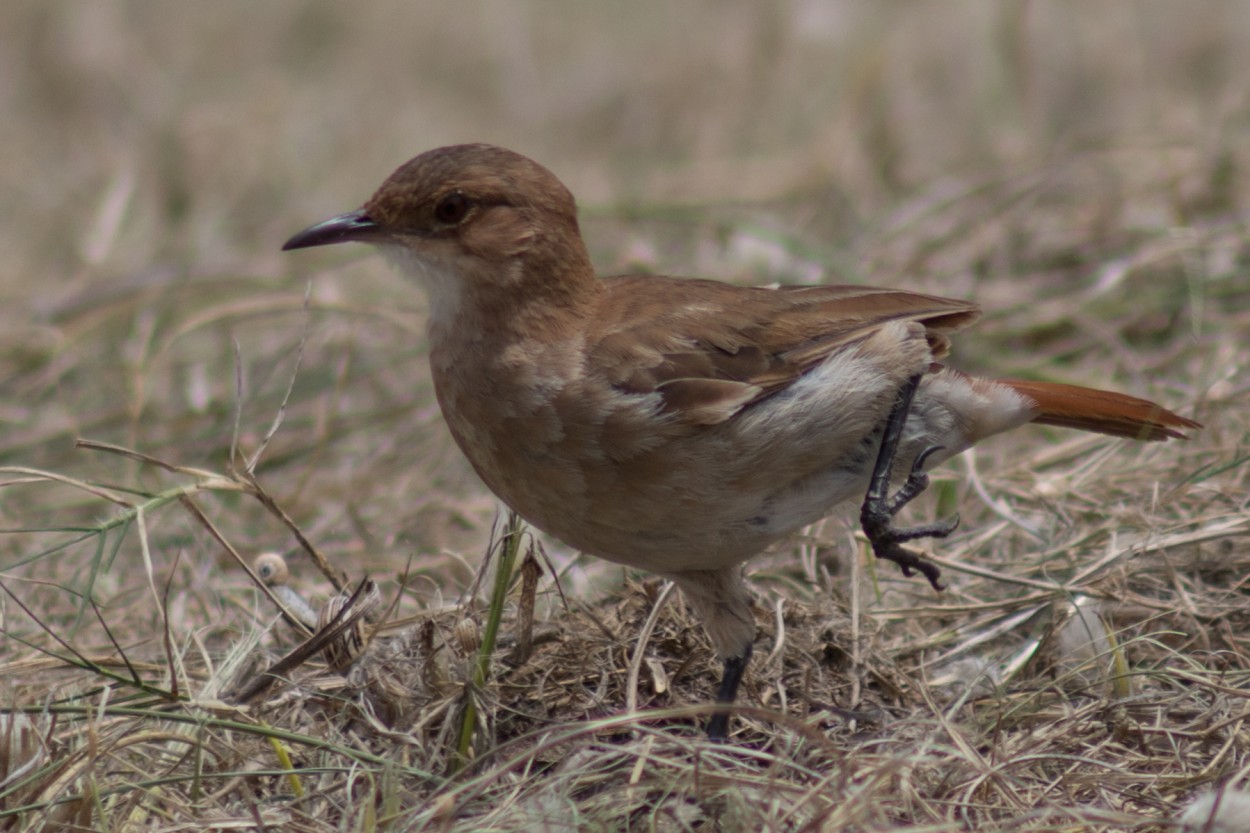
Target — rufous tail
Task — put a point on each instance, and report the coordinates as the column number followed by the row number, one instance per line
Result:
column 1103, row 411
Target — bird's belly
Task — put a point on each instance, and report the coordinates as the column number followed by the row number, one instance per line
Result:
column 678, row 507
column 614, row 476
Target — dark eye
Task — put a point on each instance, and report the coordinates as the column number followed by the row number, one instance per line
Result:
column 452, row 208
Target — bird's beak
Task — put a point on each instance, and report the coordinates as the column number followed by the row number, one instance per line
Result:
column 352, row 226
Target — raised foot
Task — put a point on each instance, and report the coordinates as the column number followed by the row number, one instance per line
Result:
column 877, row 516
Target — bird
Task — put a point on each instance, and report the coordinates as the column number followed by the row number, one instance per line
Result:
column 676, row 425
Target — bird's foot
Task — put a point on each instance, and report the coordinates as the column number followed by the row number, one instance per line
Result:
column 735, row 667
column 877, row 515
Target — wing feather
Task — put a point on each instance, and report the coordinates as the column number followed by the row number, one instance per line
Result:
column 710, row 349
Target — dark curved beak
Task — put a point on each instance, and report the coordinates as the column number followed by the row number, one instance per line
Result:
column 345, row 228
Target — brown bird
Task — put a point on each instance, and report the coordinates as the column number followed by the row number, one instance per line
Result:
column 682, row 426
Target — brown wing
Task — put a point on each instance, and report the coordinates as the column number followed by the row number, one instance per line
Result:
column 711, row 348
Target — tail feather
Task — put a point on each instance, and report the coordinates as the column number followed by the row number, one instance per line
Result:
column 1103, row 411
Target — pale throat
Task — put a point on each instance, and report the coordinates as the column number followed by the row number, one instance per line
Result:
column 440, row 280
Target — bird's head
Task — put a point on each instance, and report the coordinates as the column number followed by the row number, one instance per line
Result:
column 468, row 218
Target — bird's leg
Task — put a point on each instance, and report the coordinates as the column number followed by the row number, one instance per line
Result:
column 718, row 725
column 880, row 507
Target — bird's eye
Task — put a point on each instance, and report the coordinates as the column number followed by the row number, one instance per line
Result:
column 452, row 208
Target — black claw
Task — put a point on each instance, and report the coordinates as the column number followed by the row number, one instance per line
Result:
column 923, row 457
column 917, row 481
column 880, row 507
column 937, row 529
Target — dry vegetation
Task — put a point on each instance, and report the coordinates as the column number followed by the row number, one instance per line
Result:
column 1081, row 169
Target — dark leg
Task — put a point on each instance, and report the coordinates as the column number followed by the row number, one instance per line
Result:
column 880, row 507
column 718, row 726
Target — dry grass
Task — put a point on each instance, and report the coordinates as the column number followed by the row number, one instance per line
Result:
column 1079, row 169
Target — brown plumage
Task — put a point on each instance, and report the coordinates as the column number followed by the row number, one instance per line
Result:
column 679, row 426
column 1102, row 411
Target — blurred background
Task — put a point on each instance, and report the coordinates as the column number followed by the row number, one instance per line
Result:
column 1080, row 168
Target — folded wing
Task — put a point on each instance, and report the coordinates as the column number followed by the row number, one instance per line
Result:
column 710, row 349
